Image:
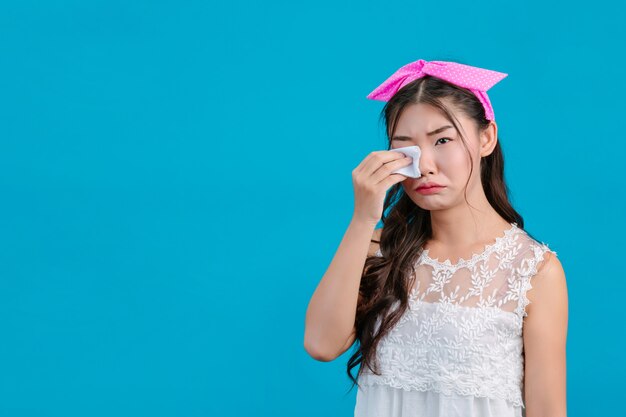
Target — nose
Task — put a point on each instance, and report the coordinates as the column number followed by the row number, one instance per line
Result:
column 426, row 163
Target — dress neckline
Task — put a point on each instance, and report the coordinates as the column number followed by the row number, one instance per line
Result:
column 488, row 249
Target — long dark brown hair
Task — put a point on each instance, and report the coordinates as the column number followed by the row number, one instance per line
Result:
column 384, row 288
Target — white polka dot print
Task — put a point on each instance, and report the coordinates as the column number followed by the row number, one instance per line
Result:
column 477, row 80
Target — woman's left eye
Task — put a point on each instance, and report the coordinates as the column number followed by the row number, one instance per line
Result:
column 443, row 139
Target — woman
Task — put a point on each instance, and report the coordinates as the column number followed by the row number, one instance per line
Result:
column 458, row 310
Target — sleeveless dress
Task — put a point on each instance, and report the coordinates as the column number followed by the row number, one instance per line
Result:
column 458, row 349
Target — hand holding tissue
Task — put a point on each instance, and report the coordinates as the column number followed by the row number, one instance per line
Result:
column 412, row 170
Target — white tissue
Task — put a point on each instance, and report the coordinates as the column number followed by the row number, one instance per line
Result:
column 412, row 170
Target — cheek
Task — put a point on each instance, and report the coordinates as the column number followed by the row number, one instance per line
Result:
column 456, row 162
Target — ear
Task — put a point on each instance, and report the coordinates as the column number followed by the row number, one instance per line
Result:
column 488, row 139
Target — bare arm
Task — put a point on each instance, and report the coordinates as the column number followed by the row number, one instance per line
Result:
column 545, row 334
column 329, row 327
column 329, row 323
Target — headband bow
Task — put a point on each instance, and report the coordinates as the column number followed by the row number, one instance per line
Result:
column 477, row 80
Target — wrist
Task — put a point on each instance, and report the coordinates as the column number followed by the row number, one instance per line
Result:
column 364, row 223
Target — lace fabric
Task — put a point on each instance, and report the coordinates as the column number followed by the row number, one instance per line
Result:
column 462, row 332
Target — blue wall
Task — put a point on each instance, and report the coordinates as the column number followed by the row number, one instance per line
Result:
column 176, row 177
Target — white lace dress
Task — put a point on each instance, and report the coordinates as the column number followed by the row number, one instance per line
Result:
column 458, row 349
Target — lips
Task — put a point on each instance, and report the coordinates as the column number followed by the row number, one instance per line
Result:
column 428, row 185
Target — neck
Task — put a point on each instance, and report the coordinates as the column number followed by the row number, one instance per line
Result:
column 465, row 225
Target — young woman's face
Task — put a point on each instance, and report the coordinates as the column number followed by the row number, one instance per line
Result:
column 444, row 159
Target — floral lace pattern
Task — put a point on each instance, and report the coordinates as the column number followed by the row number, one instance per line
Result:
column 462, row 332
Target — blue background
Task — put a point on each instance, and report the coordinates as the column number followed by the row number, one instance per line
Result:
column 176, row 177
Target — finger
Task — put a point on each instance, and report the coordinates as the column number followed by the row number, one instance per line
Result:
column 380, row 158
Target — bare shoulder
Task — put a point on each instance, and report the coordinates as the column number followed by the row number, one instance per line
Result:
column 549, row 283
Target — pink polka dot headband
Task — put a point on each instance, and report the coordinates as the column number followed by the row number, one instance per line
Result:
column 477, row 80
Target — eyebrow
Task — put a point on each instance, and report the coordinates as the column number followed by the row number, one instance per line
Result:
column 434, row 132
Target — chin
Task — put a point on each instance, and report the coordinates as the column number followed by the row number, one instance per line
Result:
column 427, row 202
